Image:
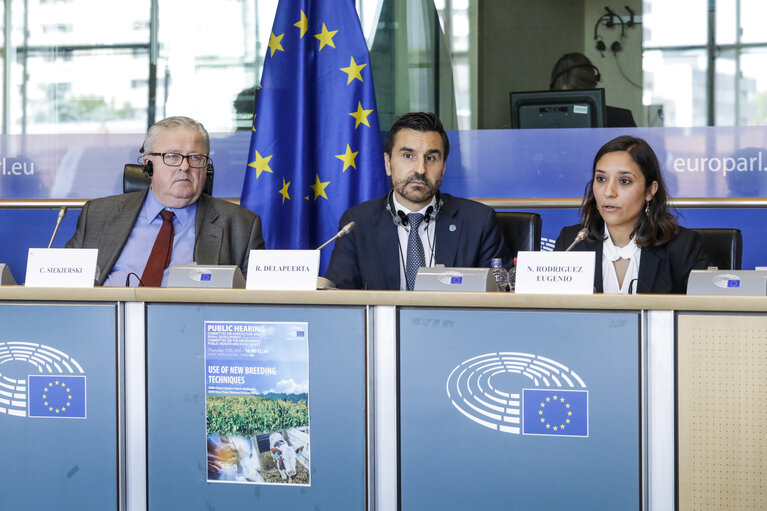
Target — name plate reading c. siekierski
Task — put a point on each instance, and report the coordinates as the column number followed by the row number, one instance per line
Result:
column 61, row 267
column 294, row 270
column 555, row 272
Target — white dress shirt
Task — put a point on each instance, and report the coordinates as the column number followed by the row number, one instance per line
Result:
column 610, row 254
column 135, row 253
column 427, row 233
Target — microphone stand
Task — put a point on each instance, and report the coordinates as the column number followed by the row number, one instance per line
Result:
column 346, row 229
column 62, row 214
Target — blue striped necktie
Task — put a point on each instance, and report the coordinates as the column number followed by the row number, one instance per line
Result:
column 415, row 256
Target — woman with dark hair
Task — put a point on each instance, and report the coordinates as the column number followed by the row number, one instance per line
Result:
column 638, row 242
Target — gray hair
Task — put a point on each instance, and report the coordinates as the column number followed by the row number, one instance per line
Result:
column 171, row 123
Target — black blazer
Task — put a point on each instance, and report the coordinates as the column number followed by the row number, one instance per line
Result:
column 467, row 235
column 663, row 269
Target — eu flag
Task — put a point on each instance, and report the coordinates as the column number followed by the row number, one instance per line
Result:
column 555, row 412
column 55, row 395
column 316, row 146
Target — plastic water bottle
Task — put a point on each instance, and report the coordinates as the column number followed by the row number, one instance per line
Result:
column 499, row 273
column 513, row 276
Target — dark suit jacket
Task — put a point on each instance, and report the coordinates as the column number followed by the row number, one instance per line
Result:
column 224, row 232
column 467, row 235
column 663, row 269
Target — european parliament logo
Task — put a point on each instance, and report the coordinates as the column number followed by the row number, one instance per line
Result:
column 493, row 390
column 53, row 385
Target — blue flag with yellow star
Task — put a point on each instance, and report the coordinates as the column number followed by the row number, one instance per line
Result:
column 555, row 412
column 56, row 396
column 316, row 148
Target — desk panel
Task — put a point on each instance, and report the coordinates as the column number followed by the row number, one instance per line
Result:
column 59, row 428
column 176, row 413
column 519, row 409
column 722, row 411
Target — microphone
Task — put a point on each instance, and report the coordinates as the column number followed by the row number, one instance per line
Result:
column 578, row 238
column 346, row 229
column 62, row 214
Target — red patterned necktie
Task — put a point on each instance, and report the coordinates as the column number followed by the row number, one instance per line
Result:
column 159, row 259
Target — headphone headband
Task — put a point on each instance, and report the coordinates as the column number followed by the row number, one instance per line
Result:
column 597, row 74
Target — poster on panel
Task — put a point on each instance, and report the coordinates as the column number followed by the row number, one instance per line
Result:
column 257, row 402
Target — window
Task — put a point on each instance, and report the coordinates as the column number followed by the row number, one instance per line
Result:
column 102, row 52
column 202, row 59
column 676, row 62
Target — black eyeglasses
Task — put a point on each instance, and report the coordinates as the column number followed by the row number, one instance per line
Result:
column 196, row 161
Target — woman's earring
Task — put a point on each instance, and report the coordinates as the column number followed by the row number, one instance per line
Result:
column 647, row 208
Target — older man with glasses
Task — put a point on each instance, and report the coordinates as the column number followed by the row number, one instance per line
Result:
column 140, row 235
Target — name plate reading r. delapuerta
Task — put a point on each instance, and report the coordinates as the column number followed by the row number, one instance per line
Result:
column 61, row 267
column 555, row 272
column 293, row 270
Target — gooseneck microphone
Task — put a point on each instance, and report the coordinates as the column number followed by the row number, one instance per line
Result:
column 62, row 214
column 346, row 229
column 578, row 238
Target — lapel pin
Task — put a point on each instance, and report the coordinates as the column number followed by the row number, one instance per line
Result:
column 452, row 227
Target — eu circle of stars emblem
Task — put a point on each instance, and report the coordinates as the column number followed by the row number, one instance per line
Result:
column 56, row 396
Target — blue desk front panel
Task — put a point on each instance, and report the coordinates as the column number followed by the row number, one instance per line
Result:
column 58, row 407
column 519, row 410
column 177, row 418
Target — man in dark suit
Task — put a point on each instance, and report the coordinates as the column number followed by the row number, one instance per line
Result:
column 413, row 225
column 144, row 233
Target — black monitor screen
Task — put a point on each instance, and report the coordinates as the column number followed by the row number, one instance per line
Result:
column 583, row 108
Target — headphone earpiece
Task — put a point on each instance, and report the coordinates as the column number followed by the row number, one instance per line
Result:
column 601, row 47
column 400, row 218
column 616, row 47
column 148, row 168
column 432, row 213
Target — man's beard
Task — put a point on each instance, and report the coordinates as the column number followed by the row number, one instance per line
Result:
column 417, row 196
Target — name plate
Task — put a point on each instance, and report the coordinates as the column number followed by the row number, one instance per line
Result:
column 61, row 267
column 294, row 270
column 555, row 272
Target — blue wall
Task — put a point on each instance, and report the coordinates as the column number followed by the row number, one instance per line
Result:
column 697, row 162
